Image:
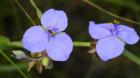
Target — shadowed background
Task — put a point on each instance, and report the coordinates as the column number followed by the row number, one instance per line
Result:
column 81, row 64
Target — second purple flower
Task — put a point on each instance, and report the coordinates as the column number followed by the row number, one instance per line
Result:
column 111, row 38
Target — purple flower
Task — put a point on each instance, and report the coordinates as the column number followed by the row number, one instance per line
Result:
column 50, row 38
column 111, row 38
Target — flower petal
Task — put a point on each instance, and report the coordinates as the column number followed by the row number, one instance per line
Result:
column 60, row 47
column 54, row 19
column 98, row 31
column 128, row 34
column 35, row 39
column 108, row 48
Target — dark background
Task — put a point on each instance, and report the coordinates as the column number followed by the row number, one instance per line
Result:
column 81, row 64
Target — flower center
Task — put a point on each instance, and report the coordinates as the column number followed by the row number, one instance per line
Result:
column 52, row 30
column 114, row 29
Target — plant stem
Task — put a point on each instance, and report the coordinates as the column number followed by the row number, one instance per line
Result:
column 132, row 57
column 82, row 44
column 18, row 44
column 75, row 43
column 110, row 13
column 15, row 44
column 126, row 53
column 13, row 64
column 28, row 16
column 38, row 11
column 7, row 68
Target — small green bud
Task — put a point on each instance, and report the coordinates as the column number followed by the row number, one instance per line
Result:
column 18, row 54
column 45, row 62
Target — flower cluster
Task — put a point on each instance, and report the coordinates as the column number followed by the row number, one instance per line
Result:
column 57, row 45
column 112, row 38
column 50, row 37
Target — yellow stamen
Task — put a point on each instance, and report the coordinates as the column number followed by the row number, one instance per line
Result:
column 51, row 32
column 116, row 22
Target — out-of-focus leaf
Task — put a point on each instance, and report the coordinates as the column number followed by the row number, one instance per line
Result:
column 13, row 64
column 3, row 42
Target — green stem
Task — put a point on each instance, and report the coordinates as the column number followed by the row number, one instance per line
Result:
column 15, row 44
column 75, row 43
column 82, row 44
column 109, row 13
column 7, row 68
column 38, row 11
column 18, row 44
column 132, row 57
column 14, row 65
column 28, row 16
column 127, row 53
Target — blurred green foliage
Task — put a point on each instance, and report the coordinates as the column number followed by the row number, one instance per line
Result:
column 13, row 23
column 3, row 42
